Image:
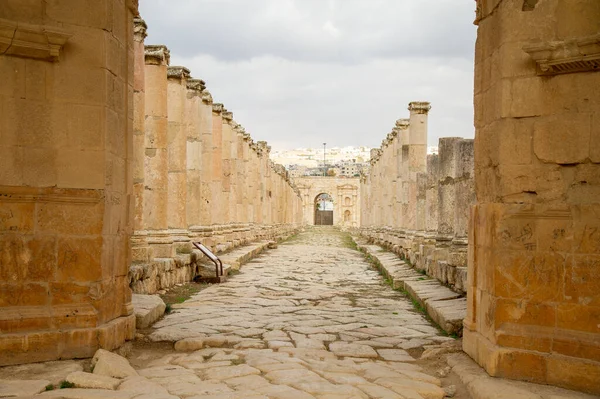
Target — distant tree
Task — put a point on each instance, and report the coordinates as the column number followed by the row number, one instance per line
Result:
column 331, row 172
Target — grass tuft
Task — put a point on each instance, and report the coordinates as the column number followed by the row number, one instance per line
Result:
column 66, row 384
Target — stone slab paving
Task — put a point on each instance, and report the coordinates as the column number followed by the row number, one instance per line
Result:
column 446, row 307
column 311, row 319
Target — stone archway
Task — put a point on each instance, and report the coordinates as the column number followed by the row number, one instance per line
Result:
column 324, row 210
column 344, row 192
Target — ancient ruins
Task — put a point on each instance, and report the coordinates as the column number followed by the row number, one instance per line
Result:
column 113, row 161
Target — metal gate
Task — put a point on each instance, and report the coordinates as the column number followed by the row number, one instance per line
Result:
column 324, row 218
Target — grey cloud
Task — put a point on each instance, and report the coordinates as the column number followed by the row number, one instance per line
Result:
column 298, row 73
column 342, row 31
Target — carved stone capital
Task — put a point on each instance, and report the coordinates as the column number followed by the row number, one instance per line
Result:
column 419, row 107
column 227, row 116
column 178, row 72
column 196, row 85
column 207, row 97
column 139, row 29
column 157, row 54
column 218, row 108
column 31, row 41
column 570, row 56
column 403, row 124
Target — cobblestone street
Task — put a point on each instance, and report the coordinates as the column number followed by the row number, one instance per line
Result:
column 310, row 319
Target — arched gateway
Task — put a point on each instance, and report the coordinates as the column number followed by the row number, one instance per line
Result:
column 323, row 210
column 344, row 208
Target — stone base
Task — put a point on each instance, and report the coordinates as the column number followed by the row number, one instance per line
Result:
column 531, row 366
column 41, row 346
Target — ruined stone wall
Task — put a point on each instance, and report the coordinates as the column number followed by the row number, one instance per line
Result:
column 345, row 193
column 198, row 175
column 66, row 106
column 534, row 258
column 416, row 204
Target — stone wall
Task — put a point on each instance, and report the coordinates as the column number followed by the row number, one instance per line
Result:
column 534, row 259
column 198, row 175
column 417, row 205
column 66, row 102
column 345, row 193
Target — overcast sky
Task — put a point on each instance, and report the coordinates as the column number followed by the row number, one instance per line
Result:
column 298, row 73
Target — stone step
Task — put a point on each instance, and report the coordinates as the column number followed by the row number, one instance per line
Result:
column 147, row 309
column 446, row 307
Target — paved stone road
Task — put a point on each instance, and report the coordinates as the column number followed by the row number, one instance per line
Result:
column 310, row 319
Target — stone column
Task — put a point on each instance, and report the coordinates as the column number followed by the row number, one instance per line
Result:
column 242, row 176
column 431, row 196
column 206, row 131
column 226, row 177
column 404, row 126
column 66, row 200
column 193, row 133
column 446, row 188
column 217, row 166
column 417, row 157
column 140, row 251
column 177, row 77
column 533, row 307
column 156, row 159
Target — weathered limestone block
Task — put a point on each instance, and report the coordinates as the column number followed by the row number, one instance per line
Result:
column 109, row 364
column 147, row 309
column 532, row 312
column 66, row 222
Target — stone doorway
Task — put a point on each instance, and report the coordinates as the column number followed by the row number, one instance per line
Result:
column 324, row 210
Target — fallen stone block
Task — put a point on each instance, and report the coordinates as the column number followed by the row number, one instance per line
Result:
column 89, row 380
column 147, row 309
column 112, row 365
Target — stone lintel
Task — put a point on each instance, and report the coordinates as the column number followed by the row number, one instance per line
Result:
column 178, row 72
column 570, row 56
column 227, row 116
column 403, row 124
column 140, row 29
column 207, row 97
column 196, row 84
column 31, row 41
column 157, row 54
column 419, row 107
column 217, row 107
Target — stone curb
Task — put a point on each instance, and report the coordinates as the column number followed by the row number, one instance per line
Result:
column 446, row 307
column 481, row 386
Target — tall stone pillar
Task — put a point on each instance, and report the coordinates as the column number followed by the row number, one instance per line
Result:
column 177, row 77
column 66, row 202
column 217, row 216
column 140, row 251
column 226, row 177
column 534, row 237
column 156, row 155
column 404, row 125
column 417, row 158
column 206, row 132
column 193, row 133
column 242, row 176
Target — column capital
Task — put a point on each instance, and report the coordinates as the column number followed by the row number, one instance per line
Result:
column 403, row 124
column 207, row 97
column 217, row 107
column 196, row 84
column 139, row 29
column 157, row 54
column 227, row 115
column 178, row 72
column 419, row 107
